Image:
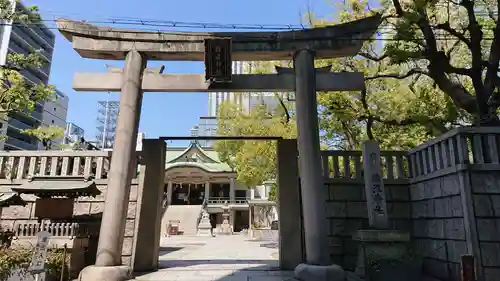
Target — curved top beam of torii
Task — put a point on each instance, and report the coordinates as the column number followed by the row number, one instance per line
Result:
column 342, row 40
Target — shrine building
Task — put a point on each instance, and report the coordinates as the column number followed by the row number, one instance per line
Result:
column 195, row 178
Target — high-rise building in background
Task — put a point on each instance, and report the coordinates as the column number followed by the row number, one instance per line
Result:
column 107, row 115
column 55, row 113
column 23, row 39
column 208, row 124
column 73, row 133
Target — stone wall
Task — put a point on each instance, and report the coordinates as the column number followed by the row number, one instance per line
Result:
column 347, row 212
column 455, row 193
column 346, row 206
column 438, row 232
column 486, row 194
column 73, row 163
column 13, row 216
column 446, row 192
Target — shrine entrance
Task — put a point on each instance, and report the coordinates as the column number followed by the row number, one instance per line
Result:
column 218, row 50
column 187, row 194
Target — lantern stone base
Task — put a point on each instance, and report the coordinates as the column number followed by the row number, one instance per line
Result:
column 385, row 255
column 308, row 272
column 105, row 273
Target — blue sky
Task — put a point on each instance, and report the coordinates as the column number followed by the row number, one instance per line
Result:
column 163, row 114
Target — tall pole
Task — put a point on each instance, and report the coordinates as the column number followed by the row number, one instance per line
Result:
column 112, row 230
column 315, row 224
column 105, row 129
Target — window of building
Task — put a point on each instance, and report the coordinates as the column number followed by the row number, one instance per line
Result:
column 52, row 121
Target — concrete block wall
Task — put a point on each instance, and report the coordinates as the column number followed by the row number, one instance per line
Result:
column 486, row 195
column 346, row 210
column 438, row 232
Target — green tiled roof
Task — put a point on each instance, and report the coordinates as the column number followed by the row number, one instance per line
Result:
column 209, row 167
column 212, row 165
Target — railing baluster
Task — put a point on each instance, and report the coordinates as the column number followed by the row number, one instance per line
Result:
column 11, row 168
column 358, row 167
column 53, row 166
column 32, row 167
column 347, row 167
column 65, row 166
column 326, row 166
column 21, row 166
column 43, row 166
column 389, row 163
column 400, row 171
column 88, row 167
column 98, row 172
column 76, row 166
column 336, row 168
column 493, row 149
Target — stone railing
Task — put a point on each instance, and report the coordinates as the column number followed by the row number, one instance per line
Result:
column 456, row 148
column 66, row 229
column 223, row 200
column 19, row 165
column 341, row 165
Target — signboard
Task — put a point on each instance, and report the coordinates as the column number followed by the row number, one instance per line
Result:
column 54, row 208
column 218, row 62
column 40, row 253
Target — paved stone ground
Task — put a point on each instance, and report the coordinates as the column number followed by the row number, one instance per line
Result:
column 221, row 258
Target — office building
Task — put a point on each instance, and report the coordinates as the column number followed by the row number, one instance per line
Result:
column 208, row 124
column 23, row 39
column 55, row 112
column 107, row 116
column 73, row 133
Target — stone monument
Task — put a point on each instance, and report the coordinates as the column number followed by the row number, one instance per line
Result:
column 225, row 228
column 382, row 251
column 205, row 227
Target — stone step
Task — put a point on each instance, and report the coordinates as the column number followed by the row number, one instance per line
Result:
column 186, row 214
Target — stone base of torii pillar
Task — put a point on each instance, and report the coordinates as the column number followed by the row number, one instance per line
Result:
column 106, row 273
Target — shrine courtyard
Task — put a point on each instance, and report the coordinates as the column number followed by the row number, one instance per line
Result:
column 215, row 258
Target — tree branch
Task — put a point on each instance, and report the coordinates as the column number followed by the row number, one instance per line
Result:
column 399, row 75
column 446, row 27
column 493, row 60
column 373, row 58
column 476, row 37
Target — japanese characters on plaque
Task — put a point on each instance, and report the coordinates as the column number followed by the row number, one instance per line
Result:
column 376, row 189
column 374, row 186
column 218, row 61
column 37, row 263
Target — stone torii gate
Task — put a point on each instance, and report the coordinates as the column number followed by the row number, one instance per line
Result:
column 137, row 47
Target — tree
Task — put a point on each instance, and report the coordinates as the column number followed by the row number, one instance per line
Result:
column 399, row 113
column 47, row 135
column 454, row 45
column 253, row 160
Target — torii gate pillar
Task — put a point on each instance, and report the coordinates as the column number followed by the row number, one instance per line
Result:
column 311, row 179
column 319, row 266
column 108, row 260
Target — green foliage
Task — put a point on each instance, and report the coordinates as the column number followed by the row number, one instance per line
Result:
column 452, row 45
column 19, row 258
column 273, row 193
column 9, row 14
column 46, row 134
column 253, row 160
column 16, row 93
column 400, row 107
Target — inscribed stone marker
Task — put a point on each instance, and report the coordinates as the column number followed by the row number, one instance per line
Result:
column 374, row 186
